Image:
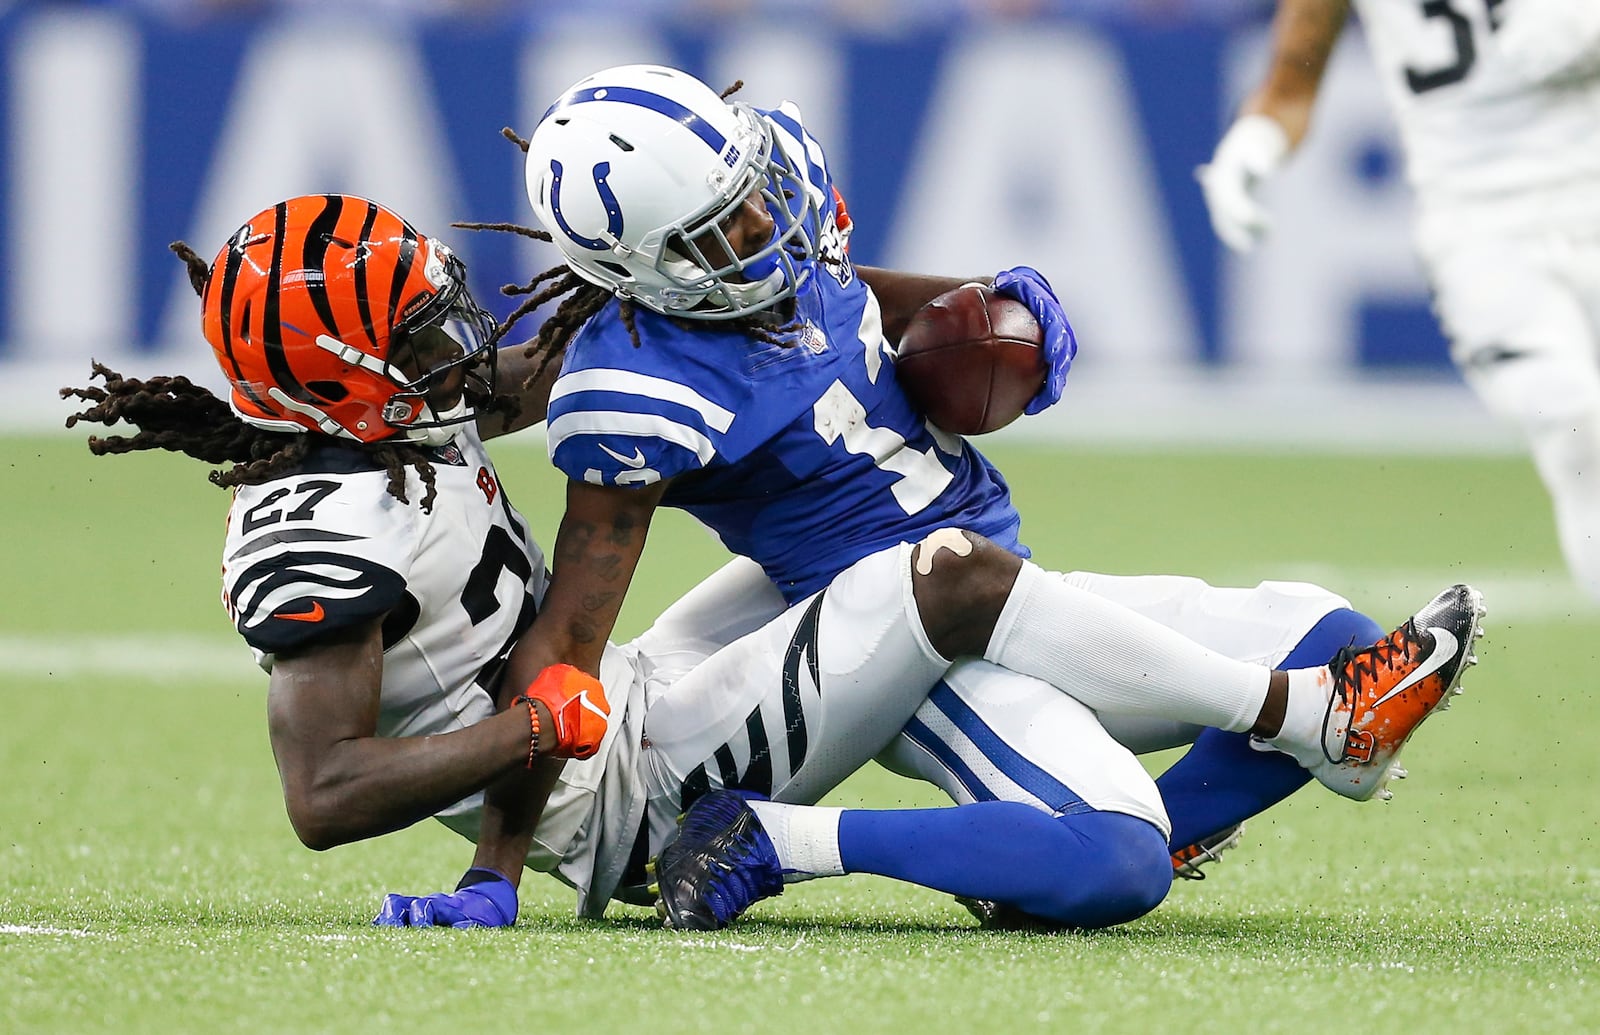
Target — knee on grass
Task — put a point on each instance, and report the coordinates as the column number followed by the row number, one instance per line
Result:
column 1126, row 873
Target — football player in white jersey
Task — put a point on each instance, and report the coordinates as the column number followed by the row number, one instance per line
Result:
column 375, row 565
column 722, row 354
column 1498, row 105
column 371, row 560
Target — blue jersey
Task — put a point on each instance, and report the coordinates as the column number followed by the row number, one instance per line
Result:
column 804, row 457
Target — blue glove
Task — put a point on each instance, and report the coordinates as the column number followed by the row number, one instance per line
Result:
column 483, row 898
column 1028, row 286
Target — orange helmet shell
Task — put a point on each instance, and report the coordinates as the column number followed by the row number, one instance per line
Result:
column 301, row 310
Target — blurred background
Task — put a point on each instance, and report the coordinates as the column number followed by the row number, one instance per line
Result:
column 968, row 135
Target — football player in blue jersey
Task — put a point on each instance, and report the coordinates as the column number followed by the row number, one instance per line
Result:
column 376, row 567
column 722, row 354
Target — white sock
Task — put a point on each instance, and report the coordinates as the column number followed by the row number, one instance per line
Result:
column 1310, row 689
column 1116, row 660
column 806, row 838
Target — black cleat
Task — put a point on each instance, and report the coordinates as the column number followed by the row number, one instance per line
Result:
column 718, row 863
column 998, row 916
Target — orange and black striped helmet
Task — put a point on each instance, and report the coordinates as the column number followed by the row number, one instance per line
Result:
column 329, row 313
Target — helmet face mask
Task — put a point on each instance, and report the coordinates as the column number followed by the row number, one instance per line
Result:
column 443, row 363
column 330, row 314
column 636, row 172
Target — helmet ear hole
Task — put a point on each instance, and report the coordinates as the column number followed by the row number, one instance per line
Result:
column 328, row 391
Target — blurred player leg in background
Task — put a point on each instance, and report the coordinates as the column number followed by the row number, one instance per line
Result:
column 1498, row 118
column 1523, row 316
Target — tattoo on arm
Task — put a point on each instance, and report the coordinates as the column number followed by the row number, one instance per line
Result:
column 585, row 544
column 573, row 540
column 623, row 529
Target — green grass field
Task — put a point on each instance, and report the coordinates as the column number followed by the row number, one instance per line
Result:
column 150, row 882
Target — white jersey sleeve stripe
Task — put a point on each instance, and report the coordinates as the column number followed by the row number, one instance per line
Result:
column 339, row 586
column 269, row 605
column 793, row 145
column 640, row 425
column 813, row 149
column 629, row 382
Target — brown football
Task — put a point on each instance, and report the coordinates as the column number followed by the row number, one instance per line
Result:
column 971, row 359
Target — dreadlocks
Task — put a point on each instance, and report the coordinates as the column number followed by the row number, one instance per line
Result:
column 584, row 299
column 175, row 414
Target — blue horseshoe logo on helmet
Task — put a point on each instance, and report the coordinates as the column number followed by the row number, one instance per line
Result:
column 608, row 198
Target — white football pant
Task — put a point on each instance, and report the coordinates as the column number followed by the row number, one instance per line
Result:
column 1523, row 316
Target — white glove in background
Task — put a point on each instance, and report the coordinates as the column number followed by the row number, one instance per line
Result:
column 1550, row 41
column 1252, row 149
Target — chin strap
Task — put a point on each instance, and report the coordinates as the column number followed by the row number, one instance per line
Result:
column 326, row 424
column 450, row 422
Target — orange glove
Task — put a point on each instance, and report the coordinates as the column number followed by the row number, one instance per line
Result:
column 578, row 710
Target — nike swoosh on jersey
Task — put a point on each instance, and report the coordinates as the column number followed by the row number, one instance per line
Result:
column 314, row 615
column 635, row 461
column 1444, row 648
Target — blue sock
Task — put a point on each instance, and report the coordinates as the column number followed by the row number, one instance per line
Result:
column 1221, row 780
column 1089, row 869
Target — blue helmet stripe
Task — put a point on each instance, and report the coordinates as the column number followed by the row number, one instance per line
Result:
column 645, row 99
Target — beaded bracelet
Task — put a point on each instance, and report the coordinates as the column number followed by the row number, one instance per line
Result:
column 533, row 727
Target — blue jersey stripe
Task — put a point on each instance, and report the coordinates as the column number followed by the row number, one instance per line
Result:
column 645, row 99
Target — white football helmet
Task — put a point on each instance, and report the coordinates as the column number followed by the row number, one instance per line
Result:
column 635, row 169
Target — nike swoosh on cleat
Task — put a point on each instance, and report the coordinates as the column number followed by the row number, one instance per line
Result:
column 313, row 615
column 1444, row 648
column 635, row 461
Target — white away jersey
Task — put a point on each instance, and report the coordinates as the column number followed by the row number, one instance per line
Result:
column 328, row 546
column 805, row 456
column 1474, row 126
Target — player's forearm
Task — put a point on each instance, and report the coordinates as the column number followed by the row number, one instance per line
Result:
column 1303, row 36
column 900, row 295
column 512, row 806
column 596, row 552
column 366, row 786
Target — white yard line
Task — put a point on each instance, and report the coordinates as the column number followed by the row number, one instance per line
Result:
column 1387, row 594
column 53, row 931
column 148, row 657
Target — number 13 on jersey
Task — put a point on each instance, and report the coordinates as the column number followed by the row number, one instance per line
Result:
column 919, row 477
